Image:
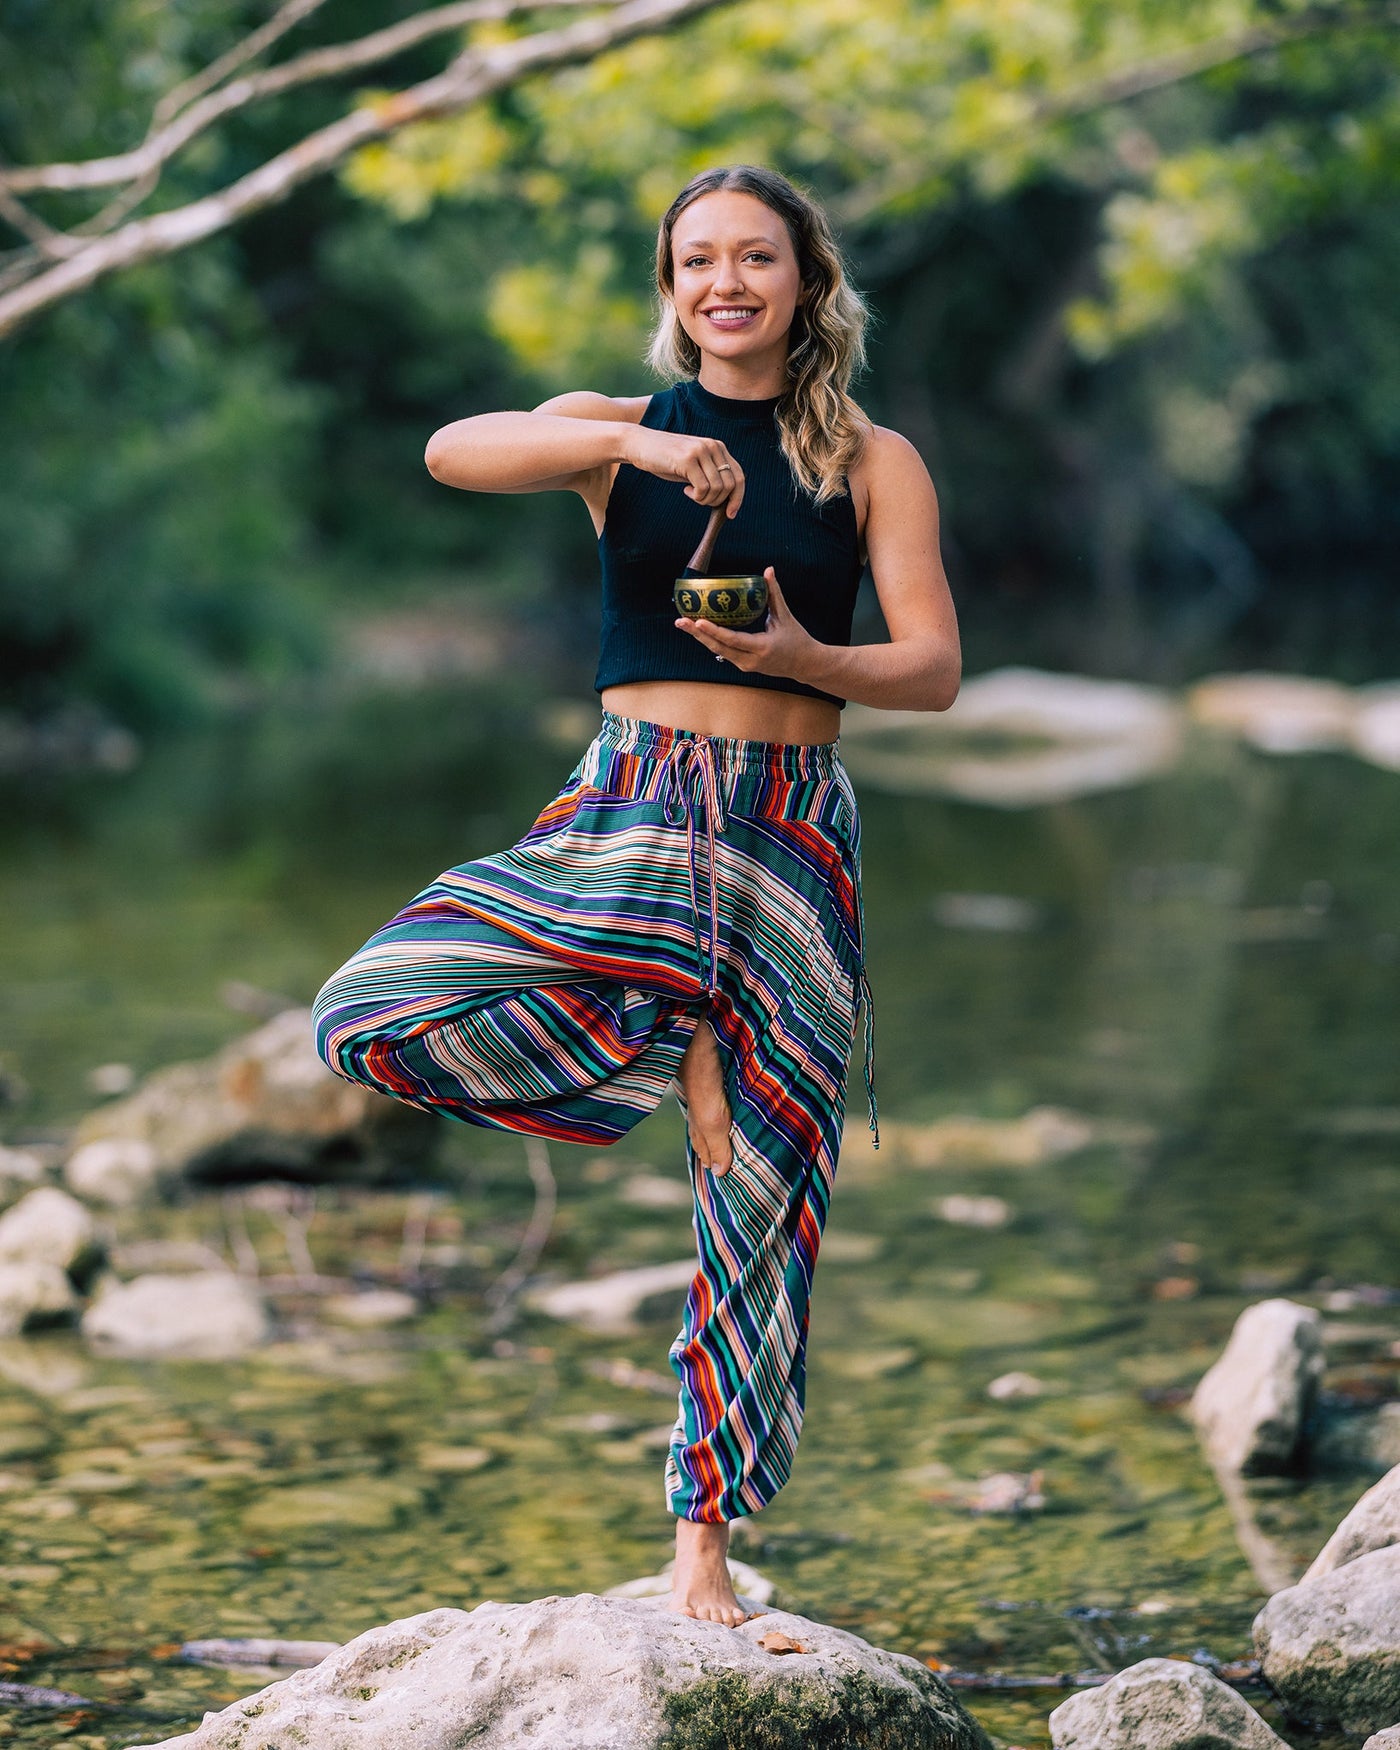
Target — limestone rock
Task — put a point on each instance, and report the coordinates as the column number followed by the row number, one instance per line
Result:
column 208, row 1315
column 1045, row 1133
column 1373, row 1523
column 33, row 1293
column 1161, row 1704
column 47, row 1226
column 609, row 1305
column 114, row 1169
column 264, row 1106
column 371, row 1306
column 1095, row 735
column 1251, row 1406
column 591, row 1673
column 1375, row 732
column 18, row 1167
column 1278, row 713
column 1386, row 1740
column 1331, row 1645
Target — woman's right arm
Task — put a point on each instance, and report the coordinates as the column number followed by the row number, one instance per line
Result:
column 575, row 442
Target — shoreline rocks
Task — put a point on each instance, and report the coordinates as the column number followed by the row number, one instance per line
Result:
column 1331, row 1645
column 263, row 1107
column 1252, row 1406
column 1161, row 1704
column 205, row 1315
column 590, row 1673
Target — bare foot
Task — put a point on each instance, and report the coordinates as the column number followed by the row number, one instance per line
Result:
column 700, row 1583
column 707, row 1108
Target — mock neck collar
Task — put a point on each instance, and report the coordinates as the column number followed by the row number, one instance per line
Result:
column 743, row 412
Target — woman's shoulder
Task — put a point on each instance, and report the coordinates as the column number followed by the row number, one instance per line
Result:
column 589, row 404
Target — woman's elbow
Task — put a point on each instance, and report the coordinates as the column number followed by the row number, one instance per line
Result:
column 945, row 679
column 435, row 456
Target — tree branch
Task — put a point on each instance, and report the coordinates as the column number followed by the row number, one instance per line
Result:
column 324, row 63
column 474, row 75
column 169, row 106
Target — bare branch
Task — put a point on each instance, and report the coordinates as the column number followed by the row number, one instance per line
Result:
column 474, row 75
column 45, row 240
column 324, row 63
column 501, row 1295
column 292, row 13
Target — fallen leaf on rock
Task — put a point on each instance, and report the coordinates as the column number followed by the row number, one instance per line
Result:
column 775, row 1641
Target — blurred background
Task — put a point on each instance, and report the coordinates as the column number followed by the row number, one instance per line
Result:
column 1133, row 919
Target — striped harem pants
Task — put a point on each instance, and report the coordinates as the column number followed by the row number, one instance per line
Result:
column 553, row 989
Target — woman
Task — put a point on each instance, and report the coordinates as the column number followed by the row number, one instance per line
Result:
column 686, row 912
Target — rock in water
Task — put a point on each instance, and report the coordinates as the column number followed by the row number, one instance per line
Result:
column 592, row 1673
column 48, row 1227
column 208, row 1315
column 264, row 1106
column 1161, row 1704
column 1331, row 1646
column 32, row 1294
column 1251, row 1406
column 1373, row 1523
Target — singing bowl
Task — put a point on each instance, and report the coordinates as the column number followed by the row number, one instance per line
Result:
column 739, row 602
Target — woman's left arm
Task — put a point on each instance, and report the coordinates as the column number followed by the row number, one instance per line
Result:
column 921, row 666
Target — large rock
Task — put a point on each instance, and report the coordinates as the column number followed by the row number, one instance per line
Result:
column 610, row 1305
column 1161, row 1704
column 208, row 1315
column 113, row 1169
column 592, row 1673
column 1331, row 1646
column 48, row 1227
column 264, row 1106
column 1386, row 1740
column 1373, row 1523
column 33, row 1293
column 1280, row 713
column 1251, row 1406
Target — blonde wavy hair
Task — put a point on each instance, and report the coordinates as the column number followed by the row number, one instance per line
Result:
column 822, row 431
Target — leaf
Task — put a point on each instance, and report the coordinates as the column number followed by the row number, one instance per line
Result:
column 775, row 1641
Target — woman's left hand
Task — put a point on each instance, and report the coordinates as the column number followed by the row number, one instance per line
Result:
column 782, row 648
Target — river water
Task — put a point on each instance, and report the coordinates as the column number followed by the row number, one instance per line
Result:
column 1202, row 967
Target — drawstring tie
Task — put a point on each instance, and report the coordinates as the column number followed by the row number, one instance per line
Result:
column 692, row 758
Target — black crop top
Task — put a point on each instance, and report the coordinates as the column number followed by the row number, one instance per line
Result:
column 651, row 529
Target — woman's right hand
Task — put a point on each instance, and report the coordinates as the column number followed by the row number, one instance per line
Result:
column 710, row 473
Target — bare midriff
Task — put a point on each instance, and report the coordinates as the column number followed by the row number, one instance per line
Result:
column 737, row 713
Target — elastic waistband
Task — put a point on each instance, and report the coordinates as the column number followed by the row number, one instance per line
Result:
column 777, row 759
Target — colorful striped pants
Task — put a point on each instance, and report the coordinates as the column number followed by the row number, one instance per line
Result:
column 554, row 988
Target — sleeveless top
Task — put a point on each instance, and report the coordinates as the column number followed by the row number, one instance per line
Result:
column 651, row 529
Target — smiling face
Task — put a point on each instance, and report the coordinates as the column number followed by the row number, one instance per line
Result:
column 737, row 281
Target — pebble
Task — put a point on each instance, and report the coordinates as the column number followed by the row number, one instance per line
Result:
column 1009, row 1386
column 970, row 1211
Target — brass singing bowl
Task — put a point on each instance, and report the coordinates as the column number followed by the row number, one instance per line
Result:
column 739, row 602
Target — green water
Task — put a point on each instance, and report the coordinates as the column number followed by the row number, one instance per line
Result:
column 1209, row 975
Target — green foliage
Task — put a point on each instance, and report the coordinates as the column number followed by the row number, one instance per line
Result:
column 150, row 499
